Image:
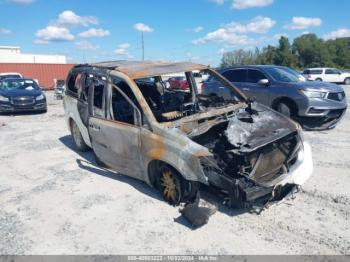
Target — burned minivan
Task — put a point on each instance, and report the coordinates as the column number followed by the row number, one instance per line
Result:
column 178, row 139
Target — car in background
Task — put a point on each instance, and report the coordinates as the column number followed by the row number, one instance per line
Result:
column 178, row 82
column 331, row 75
column 316, row 105
column 10, row 75
column 21, row 95
column 59, row 89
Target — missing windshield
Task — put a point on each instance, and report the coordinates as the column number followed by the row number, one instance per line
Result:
column 174, row 96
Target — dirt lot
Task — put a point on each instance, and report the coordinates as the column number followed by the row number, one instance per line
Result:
column 56, row 201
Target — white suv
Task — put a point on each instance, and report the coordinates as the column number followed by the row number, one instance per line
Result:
column 327, row 75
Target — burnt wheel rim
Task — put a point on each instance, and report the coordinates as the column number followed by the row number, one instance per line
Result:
column 169, row 186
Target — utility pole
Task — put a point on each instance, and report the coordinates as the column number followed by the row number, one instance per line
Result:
column 143, row 46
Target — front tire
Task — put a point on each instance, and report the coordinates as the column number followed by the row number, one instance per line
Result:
column 347, row 81
column 78, row 138
column 173, row 187
column 284, row 109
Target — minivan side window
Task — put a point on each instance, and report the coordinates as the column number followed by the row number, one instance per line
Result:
column 98, row 96
column 87, row 79
column 254, row 76
column 237, row 75
column 74, row 83
column 123, row 103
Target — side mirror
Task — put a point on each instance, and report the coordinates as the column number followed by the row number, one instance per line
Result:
column 264, row 82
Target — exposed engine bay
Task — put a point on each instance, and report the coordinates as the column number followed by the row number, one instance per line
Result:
column 250, row 155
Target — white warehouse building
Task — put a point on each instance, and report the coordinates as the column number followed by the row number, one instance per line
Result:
column 13, row 54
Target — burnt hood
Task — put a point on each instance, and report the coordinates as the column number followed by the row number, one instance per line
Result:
column 251, row 129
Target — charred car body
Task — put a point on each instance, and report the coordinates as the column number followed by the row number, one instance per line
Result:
column 176, row 140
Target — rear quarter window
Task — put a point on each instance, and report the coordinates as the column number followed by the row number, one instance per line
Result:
column 74, row 85
column 315, row 72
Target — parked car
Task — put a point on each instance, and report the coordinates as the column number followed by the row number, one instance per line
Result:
column 176, row 141
column 317, row 105
column 59, row 89
column 331, row 75
column 178, row 82
column 59, row 92
column 18, row 95
column 10, row 75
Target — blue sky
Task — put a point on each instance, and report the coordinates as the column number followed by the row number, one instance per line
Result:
column 197, row 30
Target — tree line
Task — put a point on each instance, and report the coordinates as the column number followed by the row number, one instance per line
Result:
column 306, row 51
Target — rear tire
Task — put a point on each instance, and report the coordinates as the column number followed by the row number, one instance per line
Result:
column 319, row 79
column 173, row 187
column 78, row 138
column 284, row 109
column 347, row 81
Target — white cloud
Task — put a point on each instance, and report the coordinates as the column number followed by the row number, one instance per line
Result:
column 143, row 28
column 5, row 31
column 93, row 32
column 53, row 34
column 218, row 2
column 23, row 2
column 299, row 22
column 341, row 32
column 197, row 29
column 223, row 36
column 85, row 45
column 69, row 18
column 259, row 25
column 235, row 33
column 244, row 4
column 123, row 50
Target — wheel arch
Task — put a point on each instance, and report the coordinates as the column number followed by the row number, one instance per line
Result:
column 287, row 100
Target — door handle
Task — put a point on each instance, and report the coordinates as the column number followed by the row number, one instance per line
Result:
column 246, row 89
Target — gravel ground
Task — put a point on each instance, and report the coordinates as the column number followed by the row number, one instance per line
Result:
column 54, row 200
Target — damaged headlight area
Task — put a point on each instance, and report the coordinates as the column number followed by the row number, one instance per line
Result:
column 249, row 177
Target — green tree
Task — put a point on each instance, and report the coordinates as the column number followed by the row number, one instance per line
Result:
column 284, row 55
column 311, row 51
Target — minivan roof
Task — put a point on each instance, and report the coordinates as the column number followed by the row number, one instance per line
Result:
column 142, row 69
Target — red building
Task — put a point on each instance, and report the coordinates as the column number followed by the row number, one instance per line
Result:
column 45, row 74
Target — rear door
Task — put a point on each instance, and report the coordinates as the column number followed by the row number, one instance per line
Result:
column 331, row 75
column 114, row 126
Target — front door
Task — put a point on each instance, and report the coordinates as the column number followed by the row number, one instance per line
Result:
column 260, row 92
column 114, row 128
